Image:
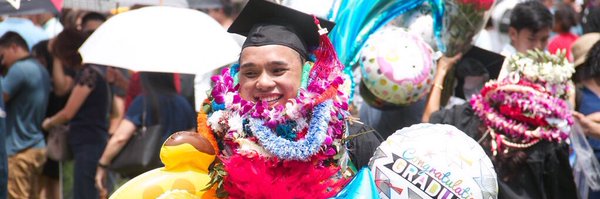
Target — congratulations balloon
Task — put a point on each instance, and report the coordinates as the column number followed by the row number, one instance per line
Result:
column 187, row 156
column 397, row 66
column 432, row 161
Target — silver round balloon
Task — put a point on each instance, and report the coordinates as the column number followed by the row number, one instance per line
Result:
column 432, row 161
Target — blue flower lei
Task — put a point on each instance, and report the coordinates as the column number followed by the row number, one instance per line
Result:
column 296, row 150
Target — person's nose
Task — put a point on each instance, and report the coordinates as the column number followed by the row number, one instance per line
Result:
column 265, row 83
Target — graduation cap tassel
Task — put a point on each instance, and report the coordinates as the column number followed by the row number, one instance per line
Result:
column 327, row 62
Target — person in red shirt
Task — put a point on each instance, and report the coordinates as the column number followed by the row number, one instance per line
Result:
column 564, row 19
column 135, row 87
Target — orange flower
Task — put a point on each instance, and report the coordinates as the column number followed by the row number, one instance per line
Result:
column 205, row 131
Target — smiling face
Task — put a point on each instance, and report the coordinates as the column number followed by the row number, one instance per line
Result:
column 270, row 73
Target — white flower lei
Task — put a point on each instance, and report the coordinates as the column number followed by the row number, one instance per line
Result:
column 541, row 66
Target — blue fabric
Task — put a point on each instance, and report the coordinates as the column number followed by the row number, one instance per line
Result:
column 24, row 27
column 3, row 157
column 27, row 84
column 175, row 113
column 590, row 103
column 86, row 158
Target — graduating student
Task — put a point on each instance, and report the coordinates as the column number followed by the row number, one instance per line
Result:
column 281, row 115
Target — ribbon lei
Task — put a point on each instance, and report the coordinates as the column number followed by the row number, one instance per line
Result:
column 327, row 61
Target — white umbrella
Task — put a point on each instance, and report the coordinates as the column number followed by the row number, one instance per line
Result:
column 173, row 3
column 104, row 6
column 161, row 39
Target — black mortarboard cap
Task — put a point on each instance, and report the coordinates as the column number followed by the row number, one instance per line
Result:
column 268, row 23
column 476, row 62
column 491, row 61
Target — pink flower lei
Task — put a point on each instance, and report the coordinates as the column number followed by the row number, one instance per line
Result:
column 522, row 111
column 299, row 144
column 325, row 84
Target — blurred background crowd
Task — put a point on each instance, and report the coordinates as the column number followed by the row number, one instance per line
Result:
column 47, row 87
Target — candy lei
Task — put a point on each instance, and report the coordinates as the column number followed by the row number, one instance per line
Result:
column 523, row 111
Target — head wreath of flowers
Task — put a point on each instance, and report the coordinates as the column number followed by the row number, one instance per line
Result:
column 551, row 71
column 308, row 127
column 521, row 111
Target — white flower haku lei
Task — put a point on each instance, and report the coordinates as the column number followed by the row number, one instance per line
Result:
column 542, row 66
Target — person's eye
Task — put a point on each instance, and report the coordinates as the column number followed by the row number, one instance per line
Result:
column 250, row 74
column 279, row 71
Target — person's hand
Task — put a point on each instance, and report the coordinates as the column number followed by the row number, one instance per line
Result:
column 445, row 64
column 100, row 179
column 46, row 125
column 595, row 117
column 589, row 126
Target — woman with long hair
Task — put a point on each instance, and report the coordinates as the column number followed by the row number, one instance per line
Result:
column 588, row 102
column 86, row 110
column 162, row 105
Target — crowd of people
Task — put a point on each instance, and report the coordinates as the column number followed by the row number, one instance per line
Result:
column 50, row 88
column 45, row 88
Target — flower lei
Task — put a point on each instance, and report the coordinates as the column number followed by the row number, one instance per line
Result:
column 299, row 143
column 326, row 125
column 523, row 111
column 551, row 71
column 301, row 149
column 247, row 127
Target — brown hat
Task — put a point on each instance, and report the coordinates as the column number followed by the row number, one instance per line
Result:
column 582, row 45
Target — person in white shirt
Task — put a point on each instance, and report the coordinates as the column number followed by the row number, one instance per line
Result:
column 49, row 23
column 530, row 26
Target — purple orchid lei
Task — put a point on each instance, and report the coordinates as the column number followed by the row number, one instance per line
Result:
column 539, row 114
column 321, row 121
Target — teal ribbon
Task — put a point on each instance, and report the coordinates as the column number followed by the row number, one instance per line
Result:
column 356, row 20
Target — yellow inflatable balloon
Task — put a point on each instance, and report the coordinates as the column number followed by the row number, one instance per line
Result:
column 187, row 157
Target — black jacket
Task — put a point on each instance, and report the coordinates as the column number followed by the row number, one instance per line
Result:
column 362, row 147
column 546, row 174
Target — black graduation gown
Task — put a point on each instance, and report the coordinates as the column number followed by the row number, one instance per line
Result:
column 362, row 147
column 546, row 174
